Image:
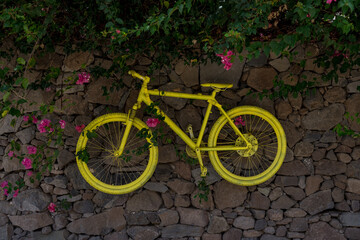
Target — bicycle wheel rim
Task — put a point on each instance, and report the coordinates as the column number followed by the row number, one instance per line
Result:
column 108, row 188
column 271, row 169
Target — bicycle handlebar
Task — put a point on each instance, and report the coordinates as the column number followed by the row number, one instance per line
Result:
column 135, row 74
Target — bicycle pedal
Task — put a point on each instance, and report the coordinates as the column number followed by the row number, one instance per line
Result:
column 190, row 131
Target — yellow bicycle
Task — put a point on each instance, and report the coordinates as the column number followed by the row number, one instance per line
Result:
column 246, row 145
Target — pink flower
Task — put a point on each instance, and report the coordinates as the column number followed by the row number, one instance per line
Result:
column 6, row 192
column 152, row 122
column 308, row 15
column 83, row 78
column 29, row 173
column 112, row 37
column 51, row 207
column 16, row 193
column 31, row 149
column 226, row 60
column 25, row 118
column 239, row 121
column 4, row 184
column 35, row 120
column 45, row 123
column 11, row 154
column 48, row 89
column 80, row 128
column 27, row 163
column 330, row 1
column 127, row 50
column 118, row 31
column 62, row 123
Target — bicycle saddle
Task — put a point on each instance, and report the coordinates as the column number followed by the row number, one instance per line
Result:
column 217, row 85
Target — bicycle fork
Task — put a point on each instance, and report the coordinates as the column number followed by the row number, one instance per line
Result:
column 129, row 123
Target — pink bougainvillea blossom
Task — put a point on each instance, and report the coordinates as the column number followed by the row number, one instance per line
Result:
column 308, row 15
column 29, row 173
column 330, row 1
column 6, row 192
column 27, row 163
column 4, row 184
column 34, row 119
column 62, row 123
column 25, row 118
column 16, row 193
column 112, row 37
column 338, row 53
column 52, row 207
column 48, row 89
column 226, row 59
column 118, row 31
column 80, row 128
column 11, row 154
column 31, row 149
column 152, row 122
column 239, row 121
column 45, row 123
column 84, row 77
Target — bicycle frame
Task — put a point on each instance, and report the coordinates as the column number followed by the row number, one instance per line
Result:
column 144, row 96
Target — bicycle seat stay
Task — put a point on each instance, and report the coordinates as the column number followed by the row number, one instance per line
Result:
column 217, row 85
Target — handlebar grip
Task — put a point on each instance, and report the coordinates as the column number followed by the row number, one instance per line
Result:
column 135, row 74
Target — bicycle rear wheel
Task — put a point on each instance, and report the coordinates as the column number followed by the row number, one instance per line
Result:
column 96, row 160
column 250, row 166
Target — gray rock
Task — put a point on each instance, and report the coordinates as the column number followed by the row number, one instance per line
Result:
column 7, row 208
column 26, row 135
column 317, row 202
column 117, row 236
column 71, row 104
column 3, row 219
column 211, row 178
column 325, row 118
column 143, row 233
column 314, row 100
column 85, row 206
column 244, row 222
column 32, row 221
column 353, row 185
column 232, row 233
column 350, row 219
column 95, row 92
column 60, row 222
column 99, row 223
column 77, row 181
column 260, row 61
column 32, row 200
column 168, row 217
column 328, row 137
column 65, row 157
column 6, row 232
column 189, row 115
column 214, row 73
column 175, row 103
column 353, row 169
column 167, row 154
column 283, row 202
column 137, row 203
column 77, row 60
column 299, row 225
column 156, row 187
column 196, row 217
column 136, row 218
column 58, row 181
column 329, row 167
column 352, row 107
column 259, row 201
column 227, row 195
column 261, row 78
column 181, row 186
column 190, row 76
column 352, row 233
column 323, row 231
column 217, row 225
column 179, row 231
column 5, row 124
column 272, row 237
column 352, row 87
column 293, row 135
column 280, row 64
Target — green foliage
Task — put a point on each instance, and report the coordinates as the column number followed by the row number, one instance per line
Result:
column 343, row 130
column 83, row 155
column 204, row 191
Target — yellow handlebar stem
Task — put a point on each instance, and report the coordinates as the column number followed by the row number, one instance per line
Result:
column 135, row 74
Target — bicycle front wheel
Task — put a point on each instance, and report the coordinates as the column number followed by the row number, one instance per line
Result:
column 98, row 163
column 249, row 166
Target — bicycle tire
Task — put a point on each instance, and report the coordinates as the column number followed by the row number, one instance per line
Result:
column 103, row 170
column 244, row 167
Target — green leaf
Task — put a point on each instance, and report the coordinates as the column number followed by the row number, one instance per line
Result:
column 21, row 61
column 166, row 4
column 25, row 83
column 6, row 96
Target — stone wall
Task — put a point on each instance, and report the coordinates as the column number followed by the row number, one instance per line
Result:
column 315, row 194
